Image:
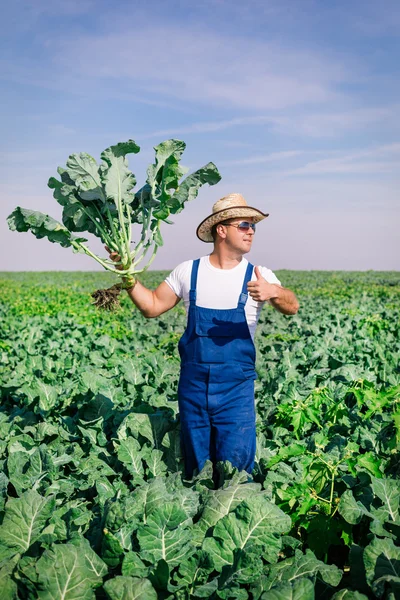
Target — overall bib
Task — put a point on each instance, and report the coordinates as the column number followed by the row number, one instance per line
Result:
column 216, row 385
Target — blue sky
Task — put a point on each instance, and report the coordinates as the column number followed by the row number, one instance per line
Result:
column 297, row 103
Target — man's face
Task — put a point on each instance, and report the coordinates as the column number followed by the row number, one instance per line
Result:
column 236, row 238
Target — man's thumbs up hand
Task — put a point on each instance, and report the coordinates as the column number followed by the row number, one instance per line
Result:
column 260, row 290
column 258, row 273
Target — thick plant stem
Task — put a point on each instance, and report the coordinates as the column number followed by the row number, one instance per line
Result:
column 86, row 250
column 332, row 490
column 106, row 237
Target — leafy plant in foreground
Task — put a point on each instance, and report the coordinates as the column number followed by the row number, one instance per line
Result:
column 101, row 201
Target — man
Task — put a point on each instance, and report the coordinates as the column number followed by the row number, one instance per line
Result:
column 223, row 295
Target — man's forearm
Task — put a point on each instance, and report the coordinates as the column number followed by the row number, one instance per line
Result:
column 143, row 298
column 285, row 301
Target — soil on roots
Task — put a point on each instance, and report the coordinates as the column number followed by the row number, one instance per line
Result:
column 107, row 299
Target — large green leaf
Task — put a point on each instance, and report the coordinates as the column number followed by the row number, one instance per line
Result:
column 130, row 454
column 69, row 572
column 388, row 490
column 299, row 589
column 165, row 174
column 194, row 571
column 41, row 225
column 350, row 509
column 149, row 496
column 382, row 565
column 223, row 501
column 129, row 588
column 27, row 468
column 388, row 493
column 303, row 565
column 117, row 179
column 190, row 186
column 349, row 595
column 8, row 586
column 255, row 521
column 24, row 520
column 83, row 170
column 166, row 535
column 153, row 426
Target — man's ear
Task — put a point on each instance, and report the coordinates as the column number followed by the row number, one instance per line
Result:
column 219, row 230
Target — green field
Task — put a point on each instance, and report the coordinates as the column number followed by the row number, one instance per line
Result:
column 93, row 503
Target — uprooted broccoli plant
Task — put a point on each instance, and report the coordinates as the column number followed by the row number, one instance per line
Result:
column 101, row 200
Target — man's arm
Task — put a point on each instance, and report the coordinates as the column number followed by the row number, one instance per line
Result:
column 282, row 299
column 285, row 301
column 153, row 303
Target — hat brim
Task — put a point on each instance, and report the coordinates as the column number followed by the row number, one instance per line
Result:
column 203, row 231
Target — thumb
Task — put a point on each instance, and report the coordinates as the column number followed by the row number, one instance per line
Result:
column 258, row 273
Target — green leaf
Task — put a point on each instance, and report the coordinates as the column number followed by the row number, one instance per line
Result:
column 246, row 568
column 388, row 490
column 8, row 587
column 129, row 453
column 155, row 464
column 133, row 566
column 152, row 427
column 164, row 175
column 350, row 509
column 150, row 496
column 129, row 588
column 222, row 501
column 83, row 170
column 24, row 520
column 166, row 535
column 111, row 549
column 69, row 572
column 303, row 565
column 117, row 179
column 194, row 571
column 299, row 589
column 46, row 393
column 255, row 521
column 349, row 595
column 382, row 563
column 323, row 532
column 190, row 186
column 370, row 463
column 41, row 225
column 287, row 452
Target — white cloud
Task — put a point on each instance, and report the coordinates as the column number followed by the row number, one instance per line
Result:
column 334, row 124
column 204, row 67
column 263, row 158
column 380, row 159
column 295, row 122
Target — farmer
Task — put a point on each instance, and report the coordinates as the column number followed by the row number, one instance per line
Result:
column 223, row 294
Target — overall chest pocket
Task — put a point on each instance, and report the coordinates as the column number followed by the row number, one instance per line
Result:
column 216, row 328
column 213, row 340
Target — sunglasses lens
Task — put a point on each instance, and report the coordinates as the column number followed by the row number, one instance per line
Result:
column 245, row 226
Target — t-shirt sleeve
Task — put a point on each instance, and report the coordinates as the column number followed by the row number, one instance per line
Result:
column 176, row 278
column 269, row 275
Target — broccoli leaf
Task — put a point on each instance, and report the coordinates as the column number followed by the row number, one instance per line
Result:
column 41, row 225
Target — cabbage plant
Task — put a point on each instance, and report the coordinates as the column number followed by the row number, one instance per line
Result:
column 101, row 200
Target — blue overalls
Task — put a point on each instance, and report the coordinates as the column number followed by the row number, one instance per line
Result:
column 216, row 385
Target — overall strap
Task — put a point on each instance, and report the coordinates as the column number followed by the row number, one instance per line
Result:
column 193, row 281
column 243, row 296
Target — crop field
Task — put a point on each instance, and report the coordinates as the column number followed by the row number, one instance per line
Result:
column 93, row 501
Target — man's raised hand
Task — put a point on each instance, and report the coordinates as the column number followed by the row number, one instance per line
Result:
column 260, row 290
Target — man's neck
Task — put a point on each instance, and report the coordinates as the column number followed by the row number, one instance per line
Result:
column 223, row 259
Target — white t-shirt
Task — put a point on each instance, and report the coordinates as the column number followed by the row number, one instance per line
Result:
column 218, row 288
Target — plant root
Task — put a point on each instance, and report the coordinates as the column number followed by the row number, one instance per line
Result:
column 107, row 299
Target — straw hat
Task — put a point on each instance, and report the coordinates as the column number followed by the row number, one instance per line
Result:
column 228, row 207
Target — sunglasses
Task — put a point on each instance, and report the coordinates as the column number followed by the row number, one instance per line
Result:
column 242, row 226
